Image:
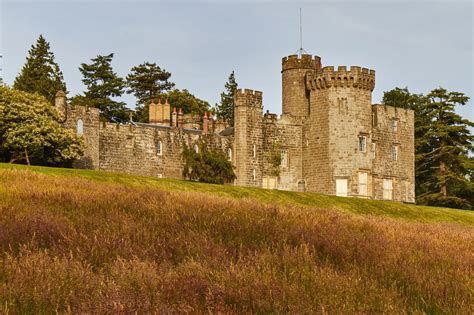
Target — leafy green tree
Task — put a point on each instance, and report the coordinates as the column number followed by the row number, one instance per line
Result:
column 102, row 85
column 40, row 74
column 30, row 130
column 179, row 99
column 225, row 108
column 208, row 166
column 442, row 144
column 146, row 81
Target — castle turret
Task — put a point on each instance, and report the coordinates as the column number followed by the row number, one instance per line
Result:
column 248, row 143
column 60, row 102
column 295, row 97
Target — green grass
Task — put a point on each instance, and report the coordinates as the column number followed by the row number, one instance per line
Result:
column 351, row 205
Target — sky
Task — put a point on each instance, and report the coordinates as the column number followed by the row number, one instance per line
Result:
column 420, row 44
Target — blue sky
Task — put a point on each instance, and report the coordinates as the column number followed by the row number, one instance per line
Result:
column 422, row 45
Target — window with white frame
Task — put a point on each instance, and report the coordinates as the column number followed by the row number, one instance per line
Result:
column 394, row 125
column 196, row 148
column 159, row 148
column 394, row 152
column 363, row 184
column 374, row 145
column 80, row 127
column 387, row 189
column 284, row 158
column 229, row 154
column 362, row 143
column 254, row 151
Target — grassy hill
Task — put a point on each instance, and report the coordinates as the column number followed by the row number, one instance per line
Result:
column 84, row 241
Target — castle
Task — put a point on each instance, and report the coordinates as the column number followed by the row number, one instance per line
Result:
column 330, row 138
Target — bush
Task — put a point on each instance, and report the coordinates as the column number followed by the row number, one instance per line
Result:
column 207, row 166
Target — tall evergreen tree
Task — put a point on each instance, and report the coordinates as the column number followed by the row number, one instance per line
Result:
column 40, row 74
column 145, row 82
column 102, row 85
column 451, row 142
column 225, row 108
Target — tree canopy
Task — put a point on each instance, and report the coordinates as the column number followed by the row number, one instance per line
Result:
column 102, row 84
column 225, row 108
column 30, row 130
column 40, row 74
column 443, row 143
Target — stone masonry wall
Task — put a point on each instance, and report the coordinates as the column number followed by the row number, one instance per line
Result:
column 401, row 171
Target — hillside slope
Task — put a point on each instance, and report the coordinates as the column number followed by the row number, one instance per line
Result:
column 84, row 241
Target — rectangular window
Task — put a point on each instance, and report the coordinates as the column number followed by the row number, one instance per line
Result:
column 394, row 125
column 363, row 184
column 362, row 143
column 394, row 152
column 341, row 187
column 387, row 189
column 373, row 150
column 254, row 151
column 254, row 174
column 284, row 158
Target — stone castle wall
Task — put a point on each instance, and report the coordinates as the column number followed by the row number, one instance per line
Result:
column 326, row 113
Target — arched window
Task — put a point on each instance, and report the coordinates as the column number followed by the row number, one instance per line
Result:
column 229, row 154
column 159, row 148
column 196, row 148
column 80, row 127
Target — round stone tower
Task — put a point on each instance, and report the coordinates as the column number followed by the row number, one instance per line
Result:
column 295, row 97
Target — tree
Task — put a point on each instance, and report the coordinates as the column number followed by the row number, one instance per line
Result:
column 102, row 85
column 225, row 109
column 147, row 81
column 40, row 74
column 30, row 130
column 179, row 99
column 442, row 144
column 208, row 166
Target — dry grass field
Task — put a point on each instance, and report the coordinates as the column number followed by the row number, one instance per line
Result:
column 90, row 242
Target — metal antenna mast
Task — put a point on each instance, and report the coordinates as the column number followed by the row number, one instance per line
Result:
column 301, row 51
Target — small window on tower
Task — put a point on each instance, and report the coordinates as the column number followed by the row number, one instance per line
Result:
column 229, row 154
column 254, row 151
column 394, row 125
column 394, row 152
column 373, row 149
column 254, row 174
column 159, row 148
column 362, row 143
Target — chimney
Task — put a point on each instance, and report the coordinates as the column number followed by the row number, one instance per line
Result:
column 205, row 124
column 166, row 113
column 180, row 118
column 174, row 118
column 152, row 112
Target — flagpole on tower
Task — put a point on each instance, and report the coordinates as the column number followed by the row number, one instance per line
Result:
column 301, row 51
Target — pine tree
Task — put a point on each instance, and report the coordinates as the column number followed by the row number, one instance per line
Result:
column 225, row 109
column 148, row 80
column 40, row 74
column 451, row 141
column 102, row 85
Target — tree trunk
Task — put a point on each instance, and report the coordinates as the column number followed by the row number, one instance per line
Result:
column 442, row 184
column 26, row 157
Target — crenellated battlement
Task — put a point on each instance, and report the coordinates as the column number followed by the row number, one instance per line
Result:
column 248, row 97
column 301, row 62
column 355, row 77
